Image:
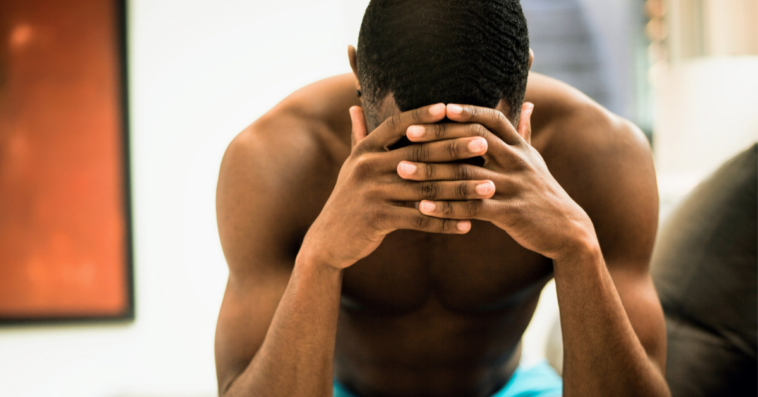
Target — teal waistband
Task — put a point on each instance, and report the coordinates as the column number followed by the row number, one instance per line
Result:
column 538, row 380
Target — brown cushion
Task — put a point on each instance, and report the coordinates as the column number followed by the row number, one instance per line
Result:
column 704, row 267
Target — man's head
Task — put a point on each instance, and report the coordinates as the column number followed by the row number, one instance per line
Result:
column 452, row 51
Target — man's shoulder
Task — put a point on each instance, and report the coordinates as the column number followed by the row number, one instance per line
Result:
column 310, row 125
column 283, row 166
column 580, row 131
column 284, row 141
column 274, row 179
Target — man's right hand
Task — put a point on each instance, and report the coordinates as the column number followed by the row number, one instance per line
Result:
column 370, row 200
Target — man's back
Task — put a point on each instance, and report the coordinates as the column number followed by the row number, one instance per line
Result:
column 424, row 314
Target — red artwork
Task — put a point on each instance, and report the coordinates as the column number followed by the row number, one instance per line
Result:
column 64, row 251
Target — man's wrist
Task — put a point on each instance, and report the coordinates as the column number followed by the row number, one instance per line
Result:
column 313, row 259
column 580, row 248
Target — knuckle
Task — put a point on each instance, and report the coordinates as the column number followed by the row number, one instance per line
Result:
column 381, row 215
column 421, row 222
column 461, row 172
column 358, row 149
column 474, row 111
column 473, row 207
column 393, row 122
column 440, row 130
column 478, row 130
column 462, row 190
column 415, row 115
column 513, row 187
column 370, row 194
column 499, row 117
column 521, row 162
column 377, row 216
column 447, row 208
column 445, row 225
column 430, row 171
column 371, row 217
column 363, row 167
column 378, row 219
column 453, row 149
column 419, row 153
column 429, row 190
column 416, row 153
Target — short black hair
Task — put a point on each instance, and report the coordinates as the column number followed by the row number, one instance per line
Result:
column 453, row 51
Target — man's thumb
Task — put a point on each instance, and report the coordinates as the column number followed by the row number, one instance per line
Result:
column 359, row 124
column 525, row 122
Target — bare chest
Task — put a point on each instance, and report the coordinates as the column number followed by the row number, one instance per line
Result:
column 484, row 270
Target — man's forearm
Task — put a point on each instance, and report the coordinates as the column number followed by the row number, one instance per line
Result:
column 602, row 354
column 296, row 357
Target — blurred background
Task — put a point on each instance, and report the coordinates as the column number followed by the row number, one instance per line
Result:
column 685, row 71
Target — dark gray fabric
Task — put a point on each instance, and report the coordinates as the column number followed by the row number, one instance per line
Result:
column 704, row 267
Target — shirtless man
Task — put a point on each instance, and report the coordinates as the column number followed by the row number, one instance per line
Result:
column 395, row 242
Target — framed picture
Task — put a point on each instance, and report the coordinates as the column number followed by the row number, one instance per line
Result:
column 65, row 233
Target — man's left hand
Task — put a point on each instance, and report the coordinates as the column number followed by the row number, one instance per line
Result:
column 528, row 203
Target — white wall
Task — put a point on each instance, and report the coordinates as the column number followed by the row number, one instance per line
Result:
column 706, row 112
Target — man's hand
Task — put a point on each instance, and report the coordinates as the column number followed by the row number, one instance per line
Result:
column 528, row 202
column 369, row 200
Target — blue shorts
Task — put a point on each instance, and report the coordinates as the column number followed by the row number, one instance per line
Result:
column 538, row 380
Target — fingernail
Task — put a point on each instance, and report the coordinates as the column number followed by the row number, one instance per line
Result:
column 464, row 226
column 407, row 168
column 426, row 206
column 415, row 131
column 437, row 109
column 485, row 189
column 477, row 145
column 454, row 109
